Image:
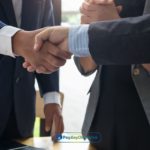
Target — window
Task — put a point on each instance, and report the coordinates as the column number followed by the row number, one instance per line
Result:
column 70, row 10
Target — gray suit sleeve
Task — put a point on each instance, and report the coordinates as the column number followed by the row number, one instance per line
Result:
column 81, row 70
column 123, row 41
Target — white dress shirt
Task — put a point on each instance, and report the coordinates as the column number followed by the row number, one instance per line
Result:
column 79, row 40
column 6, row 34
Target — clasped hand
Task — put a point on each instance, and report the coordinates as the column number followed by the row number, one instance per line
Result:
column 51, row 44
column 45, row 50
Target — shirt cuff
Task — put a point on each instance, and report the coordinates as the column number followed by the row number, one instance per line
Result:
column 79, row 40
column 6, row 34
column 52, row 97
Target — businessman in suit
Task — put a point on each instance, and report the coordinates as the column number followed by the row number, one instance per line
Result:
column 114, row 109
column 17, row 96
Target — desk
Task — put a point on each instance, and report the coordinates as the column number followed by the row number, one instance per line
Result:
column 46, row 143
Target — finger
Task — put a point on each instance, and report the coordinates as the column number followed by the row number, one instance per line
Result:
column 51, row 62
column 89, row 6
column 41, row 69
column 49, row 67
column 84, row 11
column 55, row 61
column 85, row 19
column 119, row 9
column 57, row 52
column 40, row 38
column 104, row 2
column 61, row 125
column 30, row 69
column 46, row 69
column 26, row 65
column 48, row 123
column 55, row 127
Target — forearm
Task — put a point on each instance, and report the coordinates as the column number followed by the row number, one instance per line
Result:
column 48, row 82
column 23, row 42
column 88, row 64
column 18, row 42
column 81, row 69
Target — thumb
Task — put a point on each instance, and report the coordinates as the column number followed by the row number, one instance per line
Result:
column 40, row 38
column 104, row 2
column 119, row 9
column 48, row 124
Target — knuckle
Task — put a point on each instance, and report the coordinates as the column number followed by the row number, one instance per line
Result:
column 56, row 52
column 57, row 63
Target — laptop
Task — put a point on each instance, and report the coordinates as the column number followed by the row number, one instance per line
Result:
column 13, row 145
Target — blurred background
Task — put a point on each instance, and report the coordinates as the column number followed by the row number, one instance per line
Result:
column 72, row 83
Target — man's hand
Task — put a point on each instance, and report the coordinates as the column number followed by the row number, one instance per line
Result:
column 96, row 11
column 46, row 59
column 56, row 36
column 54, row 120
column 99, row 10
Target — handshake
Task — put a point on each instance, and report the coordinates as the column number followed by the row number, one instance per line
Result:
column 44, row 50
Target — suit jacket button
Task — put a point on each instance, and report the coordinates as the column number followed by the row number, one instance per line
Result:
column 17, row 79
column 136, row 72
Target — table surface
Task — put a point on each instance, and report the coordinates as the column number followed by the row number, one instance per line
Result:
column 46, row 143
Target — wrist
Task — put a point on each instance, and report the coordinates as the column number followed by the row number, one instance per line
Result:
column 23, row 42
column 52, row 98
column 17, row 42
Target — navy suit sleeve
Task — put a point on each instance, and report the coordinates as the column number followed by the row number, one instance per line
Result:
column 1, row 24
column 48, row 83
column 125, row 41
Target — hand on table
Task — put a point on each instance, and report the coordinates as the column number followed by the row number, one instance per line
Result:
column 53, row 120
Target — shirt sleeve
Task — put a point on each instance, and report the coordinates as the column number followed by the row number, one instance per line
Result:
column 52, row 97
column 79, row 41
column 6, row 34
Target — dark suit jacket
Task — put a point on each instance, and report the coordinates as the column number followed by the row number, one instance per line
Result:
column 142, row 80
column 125, row 41
column 16, row 84
column 114, row 109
